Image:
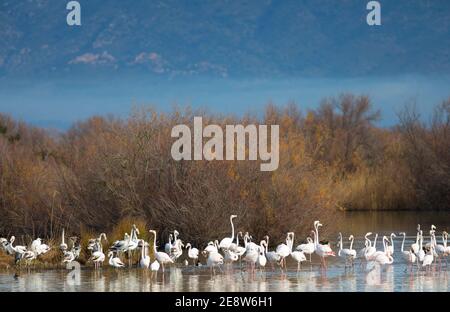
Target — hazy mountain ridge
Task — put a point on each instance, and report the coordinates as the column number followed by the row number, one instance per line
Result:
column 225, row 38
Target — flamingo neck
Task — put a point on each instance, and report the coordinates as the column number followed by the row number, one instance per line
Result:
column 232, row 228
column 317, row 234
column 291, row 242
column 403, row 242
column 351, row 243
column 154, row 242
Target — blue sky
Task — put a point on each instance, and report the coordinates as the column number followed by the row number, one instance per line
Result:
column 226, row 56
column 59, row 103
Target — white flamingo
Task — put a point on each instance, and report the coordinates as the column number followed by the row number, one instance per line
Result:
column 384, row 257
column 284, row 250
column 154, row 267
column 214, row 259
column 227, row 241
column 145, row 259
column 408, row 255
column 251, row 256
column 38, row 247
column 390, row 248
column 212, row 247
column 420, row 253
column 323, row 250
column 121, row 246
column 98, row 257
column 415, row 247
column 63, row 245
column 192, row 253
column 133, row 243
column 271, row 256
column 17, row 251
column 230, row 256
column 239, row 250
column 262, row 260
column 177, row 247
column 307, row 248
column 428, row 258
column 348, row 254
column 168, row 246
column 115, row 261
column 371, row 250
column 162, row 257
column 367, row 243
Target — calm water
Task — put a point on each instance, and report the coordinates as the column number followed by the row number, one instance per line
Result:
column 395, row 277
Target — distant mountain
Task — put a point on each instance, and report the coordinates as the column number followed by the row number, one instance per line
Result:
column 226, row 38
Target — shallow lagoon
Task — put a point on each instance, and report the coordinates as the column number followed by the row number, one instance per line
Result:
column 395, row 277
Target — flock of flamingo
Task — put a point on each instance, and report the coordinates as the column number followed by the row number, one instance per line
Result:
column 228, row 251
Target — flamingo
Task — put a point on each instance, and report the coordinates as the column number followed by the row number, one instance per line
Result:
column 192, row 253
column 177, row 247
column 371, row 250
column 307, row 248
column 214, row 259
column 272, row 256
column 115, row 261
column 444, row 238
column 168, row 246
column 415, row 247
column 239, row 250
column 251, row 256
column 145, row 259
column 440, row 249
column 98, row 257
column 383, row 257
column 390, row 248
column 212, row 247
column 227, row 241
column 408, row 255
column 367, row 243
column 420, row 253
column 17, row 251
column 428, row 258
column 133, row 243
column 262, row 260
column 38, row 247
column 230, row 256
column 162, row 257
column 63, row 245
column 248, row 242
column 348, row 254
column 121, row 246
column 323, row 249
column 154, row 267
column 283, row 250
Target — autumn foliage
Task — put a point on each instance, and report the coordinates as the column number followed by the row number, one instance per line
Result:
column 334, row 158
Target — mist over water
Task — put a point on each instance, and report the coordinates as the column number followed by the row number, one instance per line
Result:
column 57, row 103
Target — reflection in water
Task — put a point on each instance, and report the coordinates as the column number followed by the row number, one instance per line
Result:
column 363, row 277
column 373, row 278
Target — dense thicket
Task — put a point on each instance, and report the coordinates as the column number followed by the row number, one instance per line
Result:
column 333, row 158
